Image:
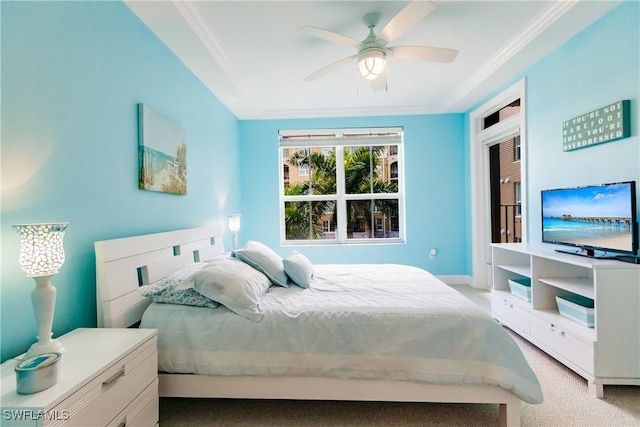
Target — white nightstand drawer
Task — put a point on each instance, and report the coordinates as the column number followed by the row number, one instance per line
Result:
column 107, row 395
column 142, row 412
column 566, row 344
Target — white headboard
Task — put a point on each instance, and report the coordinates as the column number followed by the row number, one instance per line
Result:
column 124, row 266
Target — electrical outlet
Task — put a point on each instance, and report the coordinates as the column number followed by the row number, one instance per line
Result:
column 432, row 254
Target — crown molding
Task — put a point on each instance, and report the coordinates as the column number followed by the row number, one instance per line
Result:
column 342, row 112
column 545, row 19
column 194, row 20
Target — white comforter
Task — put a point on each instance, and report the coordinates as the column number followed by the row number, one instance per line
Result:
column 355, row 321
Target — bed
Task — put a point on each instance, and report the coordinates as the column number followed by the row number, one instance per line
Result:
column 357, row 332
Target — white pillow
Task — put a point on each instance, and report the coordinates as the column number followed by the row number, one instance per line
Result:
column 232, row 283
column 264, row 259
column 299, row 269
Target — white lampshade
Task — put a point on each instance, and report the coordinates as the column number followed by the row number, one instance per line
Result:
column 41, row 251
column 371, row 62
column 234, row 222
column 41, row 256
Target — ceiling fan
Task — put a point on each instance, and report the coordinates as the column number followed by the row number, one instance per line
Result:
column 372, row 52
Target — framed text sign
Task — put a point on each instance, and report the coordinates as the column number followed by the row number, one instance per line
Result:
column 602, row 125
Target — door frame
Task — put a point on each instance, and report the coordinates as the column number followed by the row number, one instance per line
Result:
column 480, row 141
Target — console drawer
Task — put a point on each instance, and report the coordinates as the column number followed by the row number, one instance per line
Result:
column 105, row 396
column 509, row 312
column 573, row 349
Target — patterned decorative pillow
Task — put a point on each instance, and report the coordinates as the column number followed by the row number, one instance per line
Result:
column 166, row 290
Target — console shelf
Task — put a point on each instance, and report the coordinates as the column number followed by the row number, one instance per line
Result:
column 609, row 352
column 522, row 270
column 577, row 285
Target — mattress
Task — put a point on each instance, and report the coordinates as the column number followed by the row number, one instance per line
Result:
column 361, row 321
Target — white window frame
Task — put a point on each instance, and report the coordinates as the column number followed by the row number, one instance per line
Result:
column 340, row 138
column 518, row 149
column 517, row 191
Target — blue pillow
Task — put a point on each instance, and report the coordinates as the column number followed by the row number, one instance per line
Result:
column 264, row 259
column 299, row 269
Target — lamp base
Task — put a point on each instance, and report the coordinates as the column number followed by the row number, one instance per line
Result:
column 53, row 346
column 235, row 240
column 43, row 298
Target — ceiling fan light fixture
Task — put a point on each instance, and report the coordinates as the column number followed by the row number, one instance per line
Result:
column 371, row 62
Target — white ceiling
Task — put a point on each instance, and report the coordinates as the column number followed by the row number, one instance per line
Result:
column 252, row 57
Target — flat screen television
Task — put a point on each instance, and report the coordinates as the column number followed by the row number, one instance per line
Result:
column 599, row 220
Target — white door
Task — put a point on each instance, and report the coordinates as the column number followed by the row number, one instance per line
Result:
column 481, row 141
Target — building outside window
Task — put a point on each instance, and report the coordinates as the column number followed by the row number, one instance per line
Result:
column 518, row 193
column 394, row 170
column 343, row 186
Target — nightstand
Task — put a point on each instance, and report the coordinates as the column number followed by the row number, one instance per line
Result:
column 106, row 377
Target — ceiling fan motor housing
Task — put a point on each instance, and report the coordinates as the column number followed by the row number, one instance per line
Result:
column 372, row 61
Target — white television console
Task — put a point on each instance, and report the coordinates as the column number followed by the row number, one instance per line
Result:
column 608, row 353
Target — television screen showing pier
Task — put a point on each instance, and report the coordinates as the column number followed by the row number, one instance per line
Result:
column 596, row 216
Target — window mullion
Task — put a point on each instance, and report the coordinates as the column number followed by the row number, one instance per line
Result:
column 311, row 224
column 304, row 198
column 341, row 204
column 369, row 196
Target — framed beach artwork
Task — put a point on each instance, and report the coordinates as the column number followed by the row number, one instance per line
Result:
column 162, row 153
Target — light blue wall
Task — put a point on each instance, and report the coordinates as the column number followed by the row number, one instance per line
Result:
column 72, row 74
column 434, row 153
column 597, row 67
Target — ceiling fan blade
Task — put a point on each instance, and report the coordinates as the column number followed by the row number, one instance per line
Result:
column 329, row 35
column 329, row 68
column 404, row 20
column 423, row 53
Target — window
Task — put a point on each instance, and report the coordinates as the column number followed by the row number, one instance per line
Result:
column 342, row 186
column 518, row 192
column 394, row 170
column 517, row 154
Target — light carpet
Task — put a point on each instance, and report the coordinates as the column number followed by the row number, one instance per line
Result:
column 566, row 403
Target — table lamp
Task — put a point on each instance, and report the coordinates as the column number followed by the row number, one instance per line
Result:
column 234, row 226
column 41, row 256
